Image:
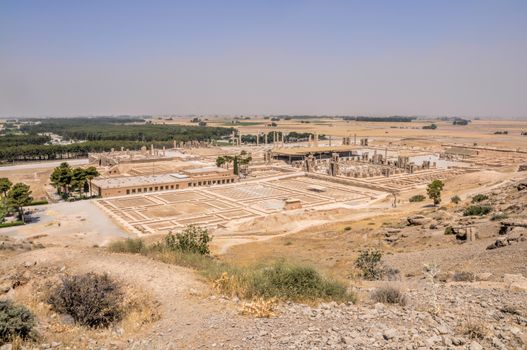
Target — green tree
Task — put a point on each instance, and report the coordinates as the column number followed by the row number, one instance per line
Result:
column 5, row 185
column 235, row 166
column 61, row 178
column 91, row 173
column 193, row 239
column 220, row 161
column 78, row 179
column 18, row 197
column 3, row 212
column 434, row 191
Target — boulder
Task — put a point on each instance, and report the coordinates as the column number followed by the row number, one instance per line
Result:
column 517, row 234
column 522, row 186
column 484, row 276
column 515, row 282
column 500, row 242
column 417, row 220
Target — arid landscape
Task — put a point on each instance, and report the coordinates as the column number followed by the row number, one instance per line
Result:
column 446, row 277
column 263, row 175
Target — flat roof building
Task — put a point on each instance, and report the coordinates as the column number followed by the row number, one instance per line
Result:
column 126, row 185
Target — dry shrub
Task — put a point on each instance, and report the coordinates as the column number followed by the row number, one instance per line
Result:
column 91, row 299
column 260, row 307
column 463, row 276
column 474, row 329
column 389, row 295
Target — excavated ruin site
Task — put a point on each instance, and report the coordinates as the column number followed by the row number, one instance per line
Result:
column 459, row 274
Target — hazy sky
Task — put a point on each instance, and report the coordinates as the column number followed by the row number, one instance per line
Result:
column 369, row 57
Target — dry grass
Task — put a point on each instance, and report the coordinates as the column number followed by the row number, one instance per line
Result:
column 474, row 329
column 260, row 307
column 140, row 308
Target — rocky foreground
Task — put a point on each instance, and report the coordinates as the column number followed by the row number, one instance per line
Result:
column 454, row 316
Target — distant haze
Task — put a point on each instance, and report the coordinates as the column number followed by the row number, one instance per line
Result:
column 102, row 57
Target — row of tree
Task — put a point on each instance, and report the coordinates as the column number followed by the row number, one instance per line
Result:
column 68, row 180
column 13, row 198
column 20, row 140
column 97, row 129
column 289, row 137
column 70, row 151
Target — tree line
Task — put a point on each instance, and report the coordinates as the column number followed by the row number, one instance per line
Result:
column 70, row 151
column 98, row 129
column 21, row 140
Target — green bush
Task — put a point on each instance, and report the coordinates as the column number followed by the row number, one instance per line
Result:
column 455, row 199
column 449, row 230
column 91, row 299
column 193, row 239
column 40, row 202
column 499, row 216
column 417, row 198
column 479, row 198
column 369, row 262
column 479, row 210
column 16, row 321
column 293, row 282
column 129, row 245
column 389, row 295
column 11, row 224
